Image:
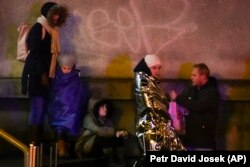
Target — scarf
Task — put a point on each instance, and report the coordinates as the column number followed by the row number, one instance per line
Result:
column 55, row 43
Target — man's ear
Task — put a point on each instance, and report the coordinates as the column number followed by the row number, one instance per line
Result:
column 203, row 77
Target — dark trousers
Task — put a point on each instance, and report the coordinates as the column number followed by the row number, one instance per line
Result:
column 37, row 113
column 102, row 143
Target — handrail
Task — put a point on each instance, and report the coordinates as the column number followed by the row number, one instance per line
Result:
column 17, row 143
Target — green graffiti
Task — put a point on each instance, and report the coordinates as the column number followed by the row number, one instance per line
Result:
column 34, row 13
column 12, row 35
column 185, row 70
column 119, row 67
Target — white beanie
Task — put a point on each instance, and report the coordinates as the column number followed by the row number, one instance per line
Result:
column 152, row 60
column 67, row 60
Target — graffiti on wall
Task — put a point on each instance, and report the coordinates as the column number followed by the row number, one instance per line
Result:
column 181, row 32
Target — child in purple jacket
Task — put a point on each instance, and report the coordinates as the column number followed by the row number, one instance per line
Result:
column 67, row 103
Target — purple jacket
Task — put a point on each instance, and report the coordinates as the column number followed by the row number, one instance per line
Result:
column 67, row 102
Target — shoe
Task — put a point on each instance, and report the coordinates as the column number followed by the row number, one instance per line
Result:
column 62, row 149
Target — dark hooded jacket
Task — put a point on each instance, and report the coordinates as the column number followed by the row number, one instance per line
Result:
column 95, row 126
column 203, row 105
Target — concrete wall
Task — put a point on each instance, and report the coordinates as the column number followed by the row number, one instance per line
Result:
column 110, row 36
column 233, row 126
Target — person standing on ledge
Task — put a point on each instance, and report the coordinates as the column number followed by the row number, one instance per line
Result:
column 67, row 104
column 42, row 43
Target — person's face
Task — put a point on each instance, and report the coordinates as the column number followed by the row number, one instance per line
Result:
column 66, row 69
column 155, row 71
column 55, row 17
column 103, row 111
column 196, row 77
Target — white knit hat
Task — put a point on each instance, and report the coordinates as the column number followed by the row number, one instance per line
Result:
column 66, row 60
column 152, row 60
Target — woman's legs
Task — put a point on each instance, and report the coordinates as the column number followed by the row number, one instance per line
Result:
column 38, row 108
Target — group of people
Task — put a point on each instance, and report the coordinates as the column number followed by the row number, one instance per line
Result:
column 44, row 79
column 201, row 100
column 54, row 88
column 53, row 85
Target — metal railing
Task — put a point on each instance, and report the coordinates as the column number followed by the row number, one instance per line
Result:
column 17, row 143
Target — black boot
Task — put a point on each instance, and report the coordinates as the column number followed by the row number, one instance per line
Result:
column 35, row 134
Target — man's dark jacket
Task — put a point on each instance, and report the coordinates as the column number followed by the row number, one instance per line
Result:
column 202, row 105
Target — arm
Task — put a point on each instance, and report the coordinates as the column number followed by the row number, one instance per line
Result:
column 139, row 92
column 148, row 94
column 207, row 98
column 90, row 124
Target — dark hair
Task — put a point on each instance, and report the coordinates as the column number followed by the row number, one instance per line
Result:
column 62, row 11
column 142, row 67
column 46, row 7
column 100, row 103
column 203, row 69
